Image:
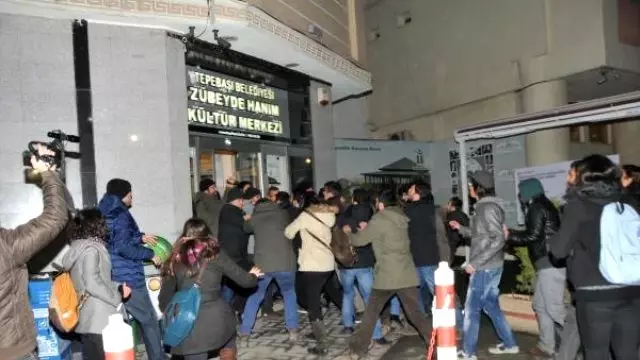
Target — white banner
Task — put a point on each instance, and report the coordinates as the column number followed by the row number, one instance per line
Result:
column 553, row 178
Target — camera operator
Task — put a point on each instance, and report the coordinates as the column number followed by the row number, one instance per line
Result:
column 17, row 246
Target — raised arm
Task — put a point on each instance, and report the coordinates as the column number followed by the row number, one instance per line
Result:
column 534, row 231
column 27, row 240
column 292, row 229
column 365, row 237
column 235, row 272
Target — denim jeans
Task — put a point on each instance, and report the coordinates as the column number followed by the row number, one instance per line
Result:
column 364, row 278
column 548, row 304
column 395, row 308
column 287, row 283
column 427, row 276
column 140, row 307
column 482, row 295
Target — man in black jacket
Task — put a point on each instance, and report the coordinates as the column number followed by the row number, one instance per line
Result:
column 455, row 213
column 542, row 223
column 233, row 234
column 428, row 238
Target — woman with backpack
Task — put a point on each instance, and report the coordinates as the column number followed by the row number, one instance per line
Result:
column 90, row 267
column 196, row 257
column 607, row 313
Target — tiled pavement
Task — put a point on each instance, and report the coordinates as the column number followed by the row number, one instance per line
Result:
column 269, row 341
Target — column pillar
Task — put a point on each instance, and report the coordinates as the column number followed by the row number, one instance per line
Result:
column 625, row 141
column 324, row 152
column 548, row 146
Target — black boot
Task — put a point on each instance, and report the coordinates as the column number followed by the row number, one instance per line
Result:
column 319, row 333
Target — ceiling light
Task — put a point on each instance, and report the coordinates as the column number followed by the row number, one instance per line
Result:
column 133, row 138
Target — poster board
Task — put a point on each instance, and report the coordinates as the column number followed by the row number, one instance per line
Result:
column 553, row 178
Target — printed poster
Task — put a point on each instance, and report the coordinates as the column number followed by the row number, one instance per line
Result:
column 553, row 178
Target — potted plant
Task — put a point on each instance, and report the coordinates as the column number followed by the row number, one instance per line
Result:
column 517, row 306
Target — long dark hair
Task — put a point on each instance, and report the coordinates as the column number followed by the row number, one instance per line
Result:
column 89, row 224
column 597, row 175
column 194, row 247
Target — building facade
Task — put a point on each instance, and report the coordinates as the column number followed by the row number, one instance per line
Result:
column 463, row 63
column 161, row 99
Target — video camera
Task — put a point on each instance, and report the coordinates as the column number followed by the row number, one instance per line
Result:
column 57, row 145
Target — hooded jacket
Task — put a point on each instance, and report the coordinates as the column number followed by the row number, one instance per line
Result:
column 125, row 243
column 542, row 223
column 273, row 251
column 578, row 240
column 314, row 256
column 90, row 266
column 387, row 232
column 207, row 207
column 487, row 234
column 17, row 246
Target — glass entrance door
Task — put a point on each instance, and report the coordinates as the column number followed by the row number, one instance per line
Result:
column 276, row 167
column 221, row 159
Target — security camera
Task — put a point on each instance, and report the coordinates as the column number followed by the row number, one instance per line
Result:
column 222, row 42
column 323, row 96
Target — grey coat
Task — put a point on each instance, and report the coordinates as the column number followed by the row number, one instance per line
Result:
column 207, row 208
column 487, row 234
column 91, row 274
column 216, row 322
column 273, row 251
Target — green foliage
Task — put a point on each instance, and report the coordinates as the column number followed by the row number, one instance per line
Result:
column 527, row 278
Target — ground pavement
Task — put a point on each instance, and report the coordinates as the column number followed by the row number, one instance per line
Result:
column 269, row 341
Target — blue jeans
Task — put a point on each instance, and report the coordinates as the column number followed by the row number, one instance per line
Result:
column 482, row 295
column 364, row 279
column 395, row 306
column 140, row 307
column 427, row 276
column 287, row 283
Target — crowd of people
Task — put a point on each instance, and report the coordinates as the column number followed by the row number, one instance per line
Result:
column 244, row 250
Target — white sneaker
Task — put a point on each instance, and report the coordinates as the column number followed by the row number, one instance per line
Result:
column 501, row 350
column 463, row 356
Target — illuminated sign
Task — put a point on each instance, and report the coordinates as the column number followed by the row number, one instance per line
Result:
column 236, row 107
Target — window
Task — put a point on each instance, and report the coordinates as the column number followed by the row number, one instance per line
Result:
column 599, row 133
column 576, row 134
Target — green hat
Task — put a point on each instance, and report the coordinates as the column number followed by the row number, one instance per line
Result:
column 530, row 188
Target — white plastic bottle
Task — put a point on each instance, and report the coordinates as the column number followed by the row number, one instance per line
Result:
column 117, row 339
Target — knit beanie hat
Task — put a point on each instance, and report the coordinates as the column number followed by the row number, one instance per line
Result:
column 119, row 188
column 530, row 188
